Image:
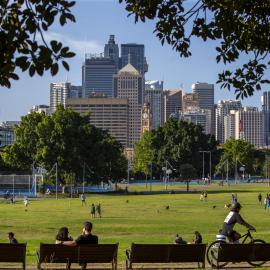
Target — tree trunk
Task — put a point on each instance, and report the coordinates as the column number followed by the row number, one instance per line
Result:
column 187, row 186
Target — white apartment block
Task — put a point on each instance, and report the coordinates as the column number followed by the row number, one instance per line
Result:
column 223, row 108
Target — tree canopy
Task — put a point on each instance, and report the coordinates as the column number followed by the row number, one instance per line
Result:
column 177, row 142
column 23, row 24
column 68, row 139
column 239, row 27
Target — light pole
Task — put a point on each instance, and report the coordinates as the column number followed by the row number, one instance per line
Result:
column 210, row 165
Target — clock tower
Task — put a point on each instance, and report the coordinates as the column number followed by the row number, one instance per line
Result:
column 146, row 118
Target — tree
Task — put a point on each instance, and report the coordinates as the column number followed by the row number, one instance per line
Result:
column 23, row 24
column 143, row 154
column 239, row 27
column 238, row 152
column 68, row 139
column 187, row 173
column 177, row 142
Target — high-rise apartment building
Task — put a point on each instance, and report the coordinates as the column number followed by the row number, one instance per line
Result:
column 265, row 99
column 109, row 114
column 134, row 54
column 172, row 103
column 154, row 95
column 205, row 92
column 129, row 84
column 229, row 125
column 75, row 91
column 249, row 125
column 111, row 50
column 97, row 75
column 59, row 92
column 223, row 108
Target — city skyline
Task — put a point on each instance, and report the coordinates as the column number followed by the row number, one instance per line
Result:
column 164, row 63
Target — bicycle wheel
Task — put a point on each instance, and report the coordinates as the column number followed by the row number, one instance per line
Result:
column 211, row 254
column 259, row 263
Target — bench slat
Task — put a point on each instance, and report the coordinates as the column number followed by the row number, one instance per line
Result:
column 12, row 252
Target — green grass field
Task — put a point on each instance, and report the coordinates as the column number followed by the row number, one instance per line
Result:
column 143, row 219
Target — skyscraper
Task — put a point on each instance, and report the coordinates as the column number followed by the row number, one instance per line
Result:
column 172, row 103
column 111, row 50
column 154, row 95
column 59, row 92
column 205, row 92
column 97, row 75
column 129, row 83
column 265, row 99
column 134, row 54
column 223, row 108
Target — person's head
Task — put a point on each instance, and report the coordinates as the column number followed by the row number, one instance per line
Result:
column 62, row 234
column 196, row 233
column 236, row 207
column 87, row 227
column 10, row 235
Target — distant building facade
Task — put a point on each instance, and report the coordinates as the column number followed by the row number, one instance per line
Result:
column 40, row 109
column 59, row 93
column 154, row 95
column 129, row 84
column 7, row 133
column 199, row 117
column 109, row 114
column 265, row 99
column 111, row 50
column 135, row 55
column 223, row 108
column 172, row 103
column 97, row 75
column 245, row 124
column 190, row 102
column 205, row 93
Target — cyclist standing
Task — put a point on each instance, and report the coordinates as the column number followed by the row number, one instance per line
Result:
column 232, row 218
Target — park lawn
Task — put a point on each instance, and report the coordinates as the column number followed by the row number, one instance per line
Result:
column 133, row 218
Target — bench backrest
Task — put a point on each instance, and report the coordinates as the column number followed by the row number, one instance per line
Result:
column 102, row 253
column 187, row 253
column 149, row 253
column 53, row 253
column 244, row 252
column 12, row 252
column 167, row 253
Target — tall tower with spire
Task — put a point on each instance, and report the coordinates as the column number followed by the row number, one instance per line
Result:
column 111, row 50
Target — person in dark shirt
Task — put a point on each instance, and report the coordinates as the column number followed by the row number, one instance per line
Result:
column 85, row 238
column 12, row 239
column 198, row 238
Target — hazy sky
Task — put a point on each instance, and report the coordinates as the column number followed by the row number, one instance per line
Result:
column 96, row 20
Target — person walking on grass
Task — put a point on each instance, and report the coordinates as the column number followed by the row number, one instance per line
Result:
column 98, row 210
column 93, row 210
column 260, row 198
column 83, row 198
column 26, row 203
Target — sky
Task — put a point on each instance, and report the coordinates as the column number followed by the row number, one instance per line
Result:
column 96, row 20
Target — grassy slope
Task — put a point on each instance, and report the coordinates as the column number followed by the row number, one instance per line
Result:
column 143, row 219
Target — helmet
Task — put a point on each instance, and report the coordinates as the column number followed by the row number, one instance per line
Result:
column 236, row 206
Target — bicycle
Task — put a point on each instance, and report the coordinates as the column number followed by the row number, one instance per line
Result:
column 212, row 250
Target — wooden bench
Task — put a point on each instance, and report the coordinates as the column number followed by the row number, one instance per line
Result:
column 83, row 254
column 13, row 253
column 242, row 253
column 165, row 253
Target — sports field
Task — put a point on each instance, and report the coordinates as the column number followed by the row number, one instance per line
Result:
column 134, row 218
